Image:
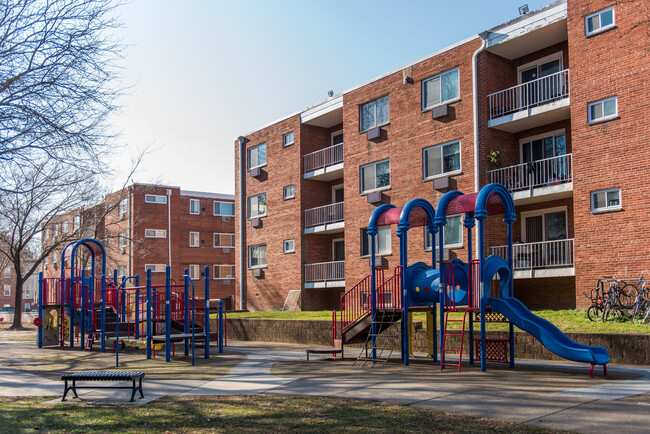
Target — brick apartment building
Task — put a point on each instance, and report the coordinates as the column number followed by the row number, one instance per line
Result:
column 30, row 288
column 553, row 104
column 151, row 226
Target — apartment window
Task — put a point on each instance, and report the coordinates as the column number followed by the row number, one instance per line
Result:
column 374, row 113
column 375, row 176
column 382, row 241
column 257, row 256
column 65, row 227
column 224, row 208
column 56, row 230
column 76, row 222
column 7, row 290
column 453, row 233
column 441, row 159
column 224, row 240
column 257, row 206
column 155, row 198
column 195, row 206
column 603, row 110
column 289, row 192
column 47, row 233
column 155, row 233
column 257, row 156
column 606, row 200
column 194, row 239
column 224, row 272
column 124, row 206
column 7, row 273
column 287, row 139
column 155, row 268
column 46, row 260
column 440, row 89
column 54, row 258
column 600, row 21
column 122, row 271
column 194, row 271
column 289, row 246
column 121, row 239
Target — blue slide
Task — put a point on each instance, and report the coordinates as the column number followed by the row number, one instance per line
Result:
column 545, row 332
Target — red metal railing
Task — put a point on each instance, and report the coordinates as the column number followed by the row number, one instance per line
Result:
column 474, row 296
column 352, row 305
column 389, row 292
column 450, row 284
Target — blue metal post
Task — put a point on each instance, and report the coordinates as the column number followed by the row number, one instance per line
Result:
column 442, row 290
column 103, row 315
column 402, row 230
column 40, row 309
column 511, row 294
column 71, row 305
column 168, row 314
column 206, row 310
column 373, row 293
column 149, row 307
column 193, row 334
column 483, row 291
column 220, row 326
column 137, row 306
column 123, row 286
column 432, row 231
column 186, row 308
column 82, row 311
column 469, row 223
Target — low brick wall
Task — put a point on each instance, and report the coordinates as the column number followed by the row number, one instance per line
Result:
column 626, row 349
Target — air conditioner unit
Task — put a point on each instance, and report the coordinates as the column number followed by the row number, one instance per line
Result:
column 374, row 197
column 440, row 111
column 255, row 172
column 225, row 219
column 441, row 183
column 373, row 133
column 380, row 261
column 259, row 273
column 225, row 251
column 256, row 223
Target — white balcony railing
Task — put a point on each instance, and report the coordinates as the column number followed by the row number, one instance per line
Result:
column 540, row 173
column 544, row 90
column 323, row 215
column 544, row 254
column 323, row 158
column 325, row 271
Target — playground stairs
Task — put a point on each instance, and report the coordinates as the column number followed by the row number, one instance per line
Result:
column 453, row 332
column 179, row 327
column 384, row 341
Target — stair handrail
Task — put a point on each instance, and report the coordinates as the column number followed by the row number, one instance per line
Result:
column 351, row 304
column 394, row 286
column 474, row 284
column 450, row 284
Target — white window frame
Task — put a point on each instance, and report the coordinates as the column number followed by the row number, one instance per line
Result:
column 155, row 233
column 55, row 258
column 195, row 236
column 124, row 206
column 250, row 251
column 155, row 198
column 47, row 233
column 216, row 267
column 65, row 227
column 7, row 290
column 55, row 230
column 374, row 164
column 7, row 273
column 604, row 117
column 248, row 156
column 542, row 212
column 219, row 235
column 442, row 174
column 155, row 268
column 607, row 207
column 122, row 239
column 427, row 235
column 289, row 246
column 46, row 260
column 531, row 139
column 374, row 101
column 289, row 196
column 284, row 137
column 599, row 15
column 381, row 234
column 250, row 214
column 76, row 222
column 122, row 270
column 194, row 271
column 198, row 206
column 220, row 202
column 542, row 60
column 442, row 102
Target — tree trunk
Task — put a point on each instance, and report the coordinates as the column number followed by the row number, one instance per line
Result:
column 18, row 298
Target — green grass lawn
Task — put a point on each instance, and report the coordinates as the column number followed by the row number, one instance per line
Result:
column 569, row 321
column 250, row 413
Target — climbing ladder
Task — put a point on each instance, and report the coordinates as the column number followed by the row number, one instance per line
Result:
column 384, row 342
column 451, row 308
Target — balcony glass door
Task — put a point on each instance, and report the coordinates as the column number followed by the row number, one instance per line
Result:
column 541, row 90
column 540, row 149
column 541, row 231
column 338, row 249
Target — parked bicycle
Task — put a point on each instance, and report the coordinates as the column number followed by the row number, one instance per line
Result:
column 642, row 301
column 618, row 298
column 595, row 311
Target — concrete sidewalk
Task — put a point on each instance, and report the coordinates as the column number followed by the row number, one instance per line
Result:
column 546, row 394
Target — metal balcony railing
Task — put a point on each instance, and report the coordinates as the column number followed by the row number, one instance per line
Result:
column 325, row 271
column 544, row 90
column 543, row 254
column 540, row 173
column 323, row 215
column 323, row 158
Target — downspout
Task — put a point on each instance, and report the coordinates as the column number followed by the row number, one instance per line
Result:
column 242, row 223
column 477, row 185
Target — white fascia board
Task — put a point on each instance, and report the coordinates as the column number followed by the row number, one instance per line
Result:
column 527, row 23
column 207, row 195
column 322, row 108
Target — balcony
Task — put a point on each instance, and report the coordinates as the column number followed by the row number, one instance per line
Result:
column 325, row 164
column 326, row 219
column 541, row 259
column 541, row 180
column 530, row 104
column 325, row 275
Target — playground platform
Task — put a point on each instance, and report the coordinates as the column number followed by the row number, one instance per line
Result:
column 555, row 395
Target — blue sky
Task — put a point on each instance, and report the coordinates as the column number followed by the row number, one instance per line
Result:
column 203, row 72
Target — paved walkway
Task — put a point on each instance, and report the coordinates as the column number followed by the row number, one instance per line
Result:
column 546, row 394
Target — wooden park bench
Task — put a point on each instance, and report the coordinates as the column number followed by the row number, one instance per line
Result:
column 103, row 376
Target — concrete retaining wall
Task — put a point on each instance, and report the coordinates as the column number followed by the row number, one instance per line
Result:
column 623, row 348
column 27, row 317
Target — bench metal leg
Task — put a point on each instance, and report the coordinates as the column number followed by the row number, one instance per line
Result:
column 73, row 388
column 133, row 391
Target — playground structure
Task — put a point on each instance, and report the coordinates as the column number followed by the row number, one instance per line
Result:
column 372, row 306
column 80, row 308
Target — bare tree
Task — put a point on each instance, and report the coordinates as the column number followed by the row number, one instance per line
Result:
column 58, row 65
